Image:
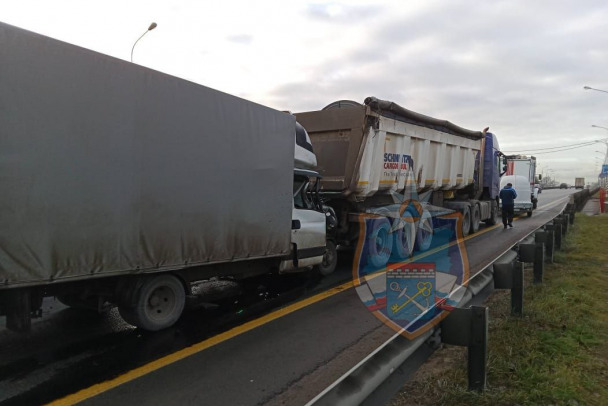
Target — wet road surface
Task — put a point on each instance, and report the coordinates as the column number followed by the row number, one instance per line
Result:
column 290, row 358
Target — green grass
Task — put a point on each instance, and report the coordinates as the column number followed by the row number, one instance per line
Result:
column 556, row 354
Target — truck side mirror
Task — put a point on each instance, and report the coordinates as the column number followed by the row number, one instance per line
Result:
column 540, row 176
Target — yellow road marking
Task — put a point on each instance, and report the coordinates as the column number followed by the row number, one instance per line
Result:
column 236, row 331
column 196, row 348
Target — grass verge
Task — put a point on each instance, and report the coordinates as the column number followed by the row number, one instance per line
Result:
column 556, row 354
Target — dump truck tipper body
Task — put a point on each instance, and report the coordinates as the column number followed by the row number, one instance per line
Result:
column 366, row 152
column 110, row 169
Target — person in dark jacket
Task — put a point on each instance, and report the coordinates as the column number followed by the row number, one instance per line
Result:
column 508, row 195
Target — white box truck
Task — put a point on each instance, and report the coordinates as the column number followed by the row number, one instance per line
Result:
column 524, row 166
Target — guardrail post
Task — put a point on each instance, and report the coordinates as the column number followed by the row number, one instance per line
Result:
column 526, row 250
column 571, row 208
column 509, row 274
column 565, row 221
column 478, row 348
column 469, row 327
column 539, row 262
column 549, row 241
column 517, row 291
column 557, row 227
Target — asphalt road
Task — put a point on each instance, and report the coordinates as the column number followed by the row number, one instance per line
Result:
column 281, row 345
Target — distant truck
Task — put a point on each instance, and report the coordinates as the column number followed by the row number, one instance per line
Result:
column 522, row 165
column 579, row 183
column 366, row 152
column 124, row 185
column 523, row 202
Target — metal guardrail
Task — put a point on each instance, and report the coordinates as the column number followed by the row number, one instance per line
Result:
column 465, row 326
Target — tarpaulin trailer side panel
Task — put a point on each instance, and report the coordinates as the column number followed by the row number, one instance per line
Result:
column 107, row 167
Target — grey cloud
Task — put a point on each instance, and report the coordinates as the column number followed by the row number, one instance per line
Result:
column 243, row 39
column 342, row 14
column 517, row 67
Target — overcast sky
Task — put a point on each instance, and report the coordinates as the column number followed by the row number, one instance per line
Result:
column 518, row 67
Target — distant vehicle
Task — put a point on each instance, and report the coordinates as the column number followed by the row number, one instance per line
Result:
column 523, row 201
column 563, row 186
column 579, row 183
column 523, row 165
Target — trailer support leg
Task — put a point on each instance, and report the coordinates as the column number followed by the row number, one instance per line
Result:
column 469, row 327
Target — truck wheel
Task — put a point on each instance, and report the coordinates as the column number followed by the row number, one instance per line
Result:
column 475, row 219
column 530, row 213
column 466, row 221
column 379, row 242
column 330, row 259
column 404, row 238
column 493, row 214
column 159, row 303
column 424, row 234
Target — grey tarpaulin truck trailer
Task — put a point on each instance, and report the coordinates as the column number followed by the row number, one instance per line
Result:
column 113, row 174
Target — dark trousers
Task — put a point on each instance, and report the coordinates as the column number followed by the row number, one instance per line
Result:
column 508, row 210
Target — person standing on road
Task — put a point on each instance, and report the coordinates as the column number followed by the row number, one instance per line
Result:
column 508, row 195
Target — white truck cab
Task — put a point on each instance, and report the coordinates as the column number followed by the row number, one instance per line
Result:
column 311, row 245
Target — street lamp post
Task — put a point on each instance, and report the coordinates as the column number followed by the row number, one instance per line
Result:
column 150, row 28
column 592, row 88
column 550, row 177
column 603, row 179
column 605, row 142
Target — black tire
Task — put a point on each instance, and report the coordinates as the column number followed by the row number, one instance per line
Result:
column 466, row 221
column 475, row 219
column 424, row 234
column 493, row 214
column 330, row 259
column 380, row 242
column 404, row 238
column 159, row 303
column 530, row 213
